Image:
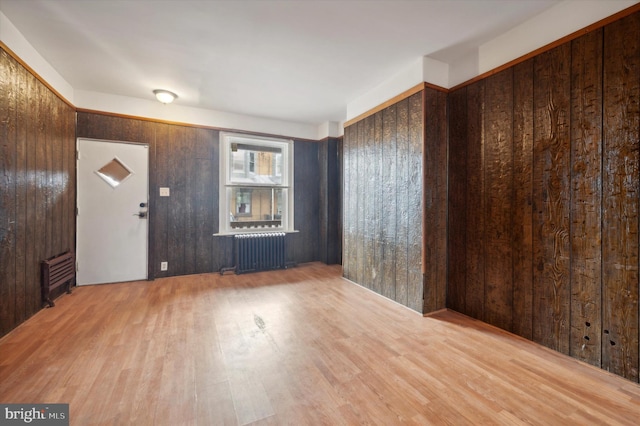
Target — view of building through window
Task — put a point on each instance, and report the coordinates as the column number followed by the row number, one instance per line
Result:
column 256, row 183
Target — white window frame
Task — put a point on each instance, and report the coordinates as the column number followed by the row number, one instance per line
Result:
column 226, row 183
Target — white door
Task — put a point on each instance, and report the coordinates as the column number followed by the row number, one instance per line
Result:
column 112, row 224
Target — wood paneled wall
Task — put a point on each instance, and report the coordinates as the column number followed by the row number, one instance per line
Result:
column 186, row 159
column 544, row 193
column 386, row 157
column 37, row 187
column 330, row 172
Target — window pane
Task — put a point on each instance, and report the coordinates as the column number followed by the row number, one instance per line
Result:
column 251, row 164
column 256, row 207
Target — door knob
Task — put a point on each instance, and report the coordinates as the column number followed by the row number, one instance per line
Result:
column 141, row 215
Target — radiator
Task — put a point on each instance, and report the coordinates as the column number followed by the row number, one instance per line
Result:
column 259, row 252
column 57, row 271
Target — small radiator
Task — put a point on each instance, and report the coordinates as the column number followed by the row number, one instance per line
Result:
column 57, row 271
column 259, row 252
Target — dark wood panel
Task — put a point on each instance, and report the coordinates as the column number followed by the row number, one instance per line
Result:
column 457, row 215
column 204, row 197
column 33, row 235
column 22, row 188
column 415, row 168
column 552, row 198
column 360, row 188
column 586, row 198
column 193, row 192
column 347, row 195
column 36, row 180
column 620, row 197
column 306, row 205
column 8, row 150
column 434, row 184
column 378, row 199
column 162, row 208
column 388, row 188
column 498, row 152
column 522, row 199
column 475, row 202
column 368, row 208
column 402, row 201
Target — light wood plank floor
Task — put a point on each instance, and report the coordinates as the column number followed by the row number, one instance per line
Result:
column 295, row 347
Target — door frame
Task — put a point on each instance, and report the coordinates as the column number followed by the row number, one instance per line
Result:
column 151, row 199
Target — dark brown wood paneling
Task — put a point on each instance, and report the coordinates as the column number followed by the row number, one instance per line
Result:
column 306, row 203
column 586, row 198
column 368, row 209
column 8, row 145
column 388, row 188
column 36, row 182
column 498, row 152
column 434, row 229
column 457, row 214
column 205, row 195
column 383, row 199
column 348, row 255
column 621, row 90
column 522, row 198
column 416, row 126
column 402, row 201
column 551, row 172
column 378, row 199
column 22, row 188
column 475, row 202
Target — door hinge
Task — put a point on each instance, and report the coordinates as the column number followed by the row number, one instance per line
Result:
column 77, row 212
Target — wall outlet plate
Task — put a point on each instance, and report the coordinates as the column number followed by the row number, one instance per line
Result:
column 164, row 192
column 164, row 266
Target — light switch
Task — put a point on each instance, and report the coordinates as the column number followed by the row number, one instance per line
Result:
column 164, row 192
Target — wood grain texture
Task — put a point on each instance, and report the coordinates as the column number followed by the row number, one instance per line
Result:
column 586, row 198
column 300, row 346
column 8, row 150
column 498, row 156
column 523, row 199
column 379, row 200
column 37, row 181
column 417, row 208
column 435, row 200
column 360, row 196
column 389, row 200
column 402, row 201
column 551, row 172
column 306, row 202
column 475, row 202
column 457, row 216
column 621, row 91
column 348, row 255
column 368, row 211
column 383, row 200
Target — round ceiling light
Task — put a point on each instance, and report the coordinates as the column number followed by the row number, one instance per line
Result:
column 165, row 96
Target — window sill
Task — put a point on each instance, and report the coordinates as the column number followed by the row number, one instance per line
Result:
column 253, row 231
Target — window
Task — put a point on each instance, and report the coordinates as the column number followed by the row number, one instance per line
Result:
column 256, row 184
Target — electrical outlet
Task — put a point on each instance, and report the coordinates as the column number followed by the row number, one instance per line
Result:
column 164, row 266
column 165, row 192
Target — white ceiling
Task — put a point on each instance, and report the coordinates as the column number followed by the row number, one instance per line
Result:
column 300, row 61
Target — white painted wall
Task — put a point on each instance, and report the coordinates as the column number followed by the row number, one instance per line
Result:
column 15, row 41
column 184, row 114
column 547, row 27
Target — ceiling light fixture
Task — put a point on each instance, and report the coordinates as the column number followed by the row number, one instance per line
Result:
column 165, row 96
